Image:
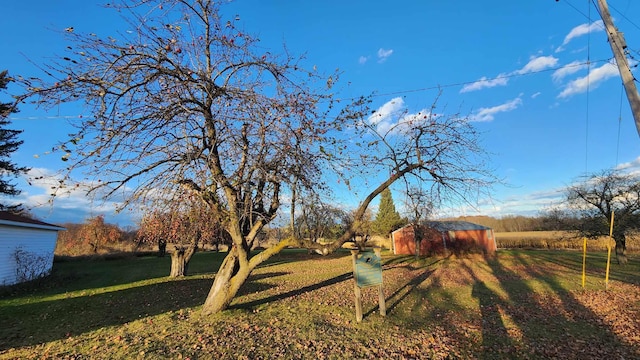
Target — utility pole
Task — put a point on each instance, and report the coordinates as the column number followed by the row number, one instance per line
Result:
column 618, row 46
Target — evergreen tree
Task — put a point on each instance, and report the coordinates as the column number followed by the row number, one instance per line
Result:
column 387, row 218
column 8, row 144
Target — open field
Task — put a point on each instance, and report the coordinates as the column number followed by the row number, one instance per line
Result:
column 557, row 240
column 520, row 304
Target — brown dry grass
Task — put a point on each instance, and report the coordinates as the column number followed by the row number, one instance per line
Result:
column 516, row 305
column 557, row 240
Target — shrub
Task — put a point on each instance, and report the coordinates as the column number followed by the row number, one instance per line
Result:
column 31, row 265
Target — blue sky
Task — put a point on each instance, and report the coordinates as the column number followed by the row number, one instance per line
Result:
column 518, row 69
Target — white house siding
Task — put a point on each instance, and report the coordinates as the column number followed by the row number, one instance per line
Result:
column 40, row 242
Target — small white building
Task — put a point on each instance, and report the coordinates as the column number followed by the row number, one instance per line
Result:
column 26, row 248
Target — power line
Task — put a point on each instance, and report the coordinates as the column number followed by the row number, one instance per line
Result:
column 48, row 117
column 624, row 17
column 399, row 92
column 616, row 44
column 632, row 23
column 578, row 10
column 507, row 76
column 588, row 17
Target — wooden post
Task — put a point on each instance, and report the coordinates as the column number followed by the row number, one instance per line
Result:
column 381, row 301
column 417, row 240
column 356, row 288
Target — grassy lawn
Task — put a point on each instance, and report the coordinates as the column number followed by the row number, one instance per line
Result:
column 520, row 304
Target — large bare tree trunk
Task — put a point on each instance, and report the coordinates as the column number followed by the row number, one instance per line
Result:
column 180, row 260
column 417, row 235
column 621, row 250
column 233, row 273
column 228, row 280
column 162, row 248
column 237, row 266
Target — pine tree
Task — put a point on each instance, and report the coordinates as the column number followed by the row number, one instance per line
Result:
column 387, row 218
column 8, row 144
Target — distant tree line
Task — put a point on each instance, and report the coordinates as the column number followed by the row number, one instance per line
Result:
column 182, row 230
column 94, row 236
column 552, row 220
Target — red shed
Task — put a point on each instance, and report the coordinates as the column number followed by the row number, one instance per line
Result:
column 438, row 236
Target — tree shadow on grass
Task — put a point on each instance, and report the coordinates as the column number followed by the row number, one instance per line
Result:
column 292, row 255
column 292, row 293
column 82, row 275
column 410, row 287
column 494, row 329
column 405, row 290
column 595, row 264
column 267, row 275
column 255, row 285
column 524, row 310
column 520, row 321
column 399, row 259
column 45, row 321
column 87, row 307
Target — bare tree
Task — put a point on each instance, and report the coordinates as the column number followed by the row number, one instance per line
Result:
column 439, row 152
column 419, row 206
column 96, row 233
column 185, row 224
column 151, row 230
column 319, row 221
column 602, row 194
column 185, row 101
column 90, row 237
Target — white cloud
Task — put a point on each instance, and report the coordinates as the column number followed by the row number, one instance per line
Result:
column 595, row 77
column 71, row 204
column 527, row 204
column 537, row 64
column 568, row 69
column 412, row 119
column 384, row 116
column 44, row 181
column 392, row 117
column 536, row 95
column 384, row 54
column 487, row 114
column 580, row 30
column 635, row 164
column 483, row 83
column 363, row 59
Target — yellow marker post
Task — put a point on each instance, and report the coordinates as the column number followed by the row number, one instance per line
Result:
column 606, row 277
column 584, row 260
